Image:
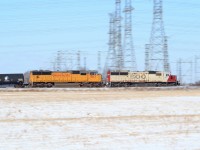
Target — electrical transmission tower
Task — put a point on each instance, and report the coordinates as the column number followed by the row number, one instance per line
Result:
column 111, row 60
column 129, row 53
column 78, row 60
column 118, row 30
column 179, row 70
column 166, row 55
column 185, row 71
column 59, row 60
column 158, row 50
column 85, row 63
column 69, row 60
column 147, row 48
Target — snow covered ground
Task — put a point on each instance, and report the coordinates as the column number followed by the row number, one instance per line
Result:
column 96, row 119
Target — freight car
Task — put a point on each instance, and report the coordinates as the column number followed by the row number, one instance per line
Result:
column 16, row 80
column 67, row 78
column 147, row 78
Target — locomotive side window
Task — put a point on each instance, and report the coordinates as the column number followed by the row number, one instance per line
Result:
column 158, row 74
column 46, row 73
column 152, row 72
column 114, row 73
column 75, row 72
column 36, row 73
column 93, row 73
column 83, row 73
column 124, row 73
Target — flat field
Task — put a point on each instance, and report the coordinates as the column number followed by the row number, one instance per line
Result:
column 100, row 119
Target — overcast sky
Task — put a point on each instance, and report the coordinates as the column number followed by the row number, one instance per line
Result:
column 32, row 31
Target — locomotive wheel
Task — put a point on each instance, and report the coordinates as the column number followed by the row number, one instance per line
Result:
column 16, row 86
column 49, row 85
column 159, row 84
column 125, row 85
column 42, row 85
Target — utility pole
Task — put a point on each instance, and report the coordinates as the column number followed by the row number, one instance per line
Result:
column 158, row 47
column 129, row 53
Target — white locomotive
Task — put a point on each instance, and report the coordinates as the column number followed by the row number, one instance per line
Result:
column 146, row 78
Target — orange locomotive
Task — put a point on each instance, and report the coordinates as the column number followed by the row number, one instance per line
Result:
column 53, row 78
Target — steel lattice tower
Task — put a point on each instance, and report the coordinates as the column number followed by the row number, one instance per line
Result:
column 158, row 49
column 78, row 60
column 129, row 53
column 185, row 71
column 111, row 60
column 179, row 70
column 59, row 60
column 147, row 47
column 118, row 30
column 85, row 63
column 166, row 55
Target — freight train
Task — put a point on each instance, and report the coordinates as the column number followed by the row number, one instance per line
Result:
column 77, row 78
